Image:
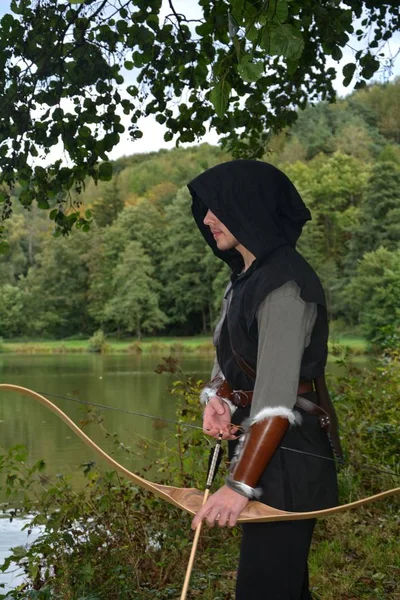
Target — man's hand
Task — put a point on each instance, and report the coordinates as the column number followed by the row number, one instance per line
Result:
column 222, row 508
column 217, row 418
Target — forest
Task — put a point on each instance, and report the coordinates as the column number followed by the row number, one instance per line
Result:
column 144, row 269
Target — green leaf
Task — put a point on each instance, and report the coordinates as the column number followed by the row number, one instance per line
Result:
column 205, row 29
column 237, row 7
column 219, row 97
column 43, row 203
column 292, row 66
column 248, row 70
column 348, row 72
column 105, row 171
column 286, row 41
column 337, row 53
column 277, row 11
column 128, row 64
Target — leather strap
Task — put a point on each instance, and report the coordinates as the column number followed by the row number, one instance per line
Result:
column 243, row 398
column 324, row 409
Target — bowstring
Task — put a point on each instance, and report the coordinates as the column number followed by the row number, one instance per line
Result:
column 198, row 427
column 123, row 410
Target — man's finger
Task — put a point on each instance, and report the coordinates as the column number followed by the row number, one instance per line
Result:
column 212, row 515
column 199, row 517
column 232, row 519
column 223, row 518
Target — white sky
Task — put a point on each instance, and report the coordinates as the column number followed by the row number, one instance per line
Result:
column 153, row 132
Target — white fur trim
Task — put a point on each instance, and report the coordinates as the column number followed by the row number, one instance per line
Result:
column 242, row 488
column 232, row 407
column 292, row 416
column 208, row 392
column 237, row 453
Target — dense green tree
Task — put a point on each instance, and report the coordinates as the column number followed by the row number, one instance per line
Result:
column 344, row 127
column 187, row 272
column 383, row 102
column 12, row 311
column 108, row 205
column 15, row 263
column 353, row 139
column 246, row 66
column 390, row 153
column 103, row 255
column 144, row 223
column 373, row 295
column 134, row 302
column 379, row 223
column 332, row 187
column 57, row 286
column 314, row 129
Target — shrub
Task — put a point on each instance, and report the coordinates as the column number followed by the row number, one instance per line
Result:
column 135, row 348
column 205, row 348
column 97, row 343
column 177, row 348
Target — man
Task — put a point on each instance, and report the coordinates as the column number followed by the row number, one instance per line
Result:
column 271, row 344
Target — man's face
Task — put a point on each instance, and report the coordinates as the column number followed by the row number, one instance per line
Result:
column 223, row 237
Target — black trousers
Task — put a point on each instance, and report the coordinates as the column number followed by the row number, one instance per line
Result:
column 273, row 561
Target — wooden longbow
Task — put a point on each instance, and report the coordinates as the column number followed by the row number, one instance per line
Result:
column 190, row 499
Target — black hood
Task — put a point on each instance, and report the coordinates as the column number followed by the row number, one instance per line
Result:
column 255, row 201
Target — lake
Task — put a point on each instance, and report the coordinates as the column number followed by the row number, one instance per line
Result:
column 120, row 380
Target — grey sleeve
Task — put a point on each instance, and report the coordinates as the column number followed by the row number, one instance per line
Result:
column 225, row 303
column 216, row 370
column 285, row 323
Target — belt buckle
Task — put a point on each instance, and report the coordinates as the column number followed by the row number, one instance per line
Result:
column 238, row 399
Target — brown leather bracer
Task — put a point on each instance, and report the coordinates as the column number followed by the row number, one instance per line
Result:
column 262, row 440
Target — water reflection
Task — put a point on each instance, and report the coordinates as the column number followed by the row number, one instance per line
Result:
column 123, row 381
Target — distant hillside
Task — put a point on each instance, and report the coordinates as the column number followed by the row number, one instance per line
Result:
column 145, row 268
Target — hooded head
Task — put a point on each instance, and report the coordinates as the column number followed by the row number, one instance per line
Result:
column 255, row 201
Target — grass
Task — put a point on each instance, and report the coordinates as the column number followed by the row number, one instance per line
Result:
column 151, row 345
column 355, row 555
column 114, row 345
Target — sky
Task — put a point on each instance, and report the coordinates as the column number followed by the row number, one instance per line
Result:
column 153, row 132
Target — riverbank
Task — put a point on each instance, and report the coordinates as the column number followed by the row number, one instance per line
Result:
column 151, row 345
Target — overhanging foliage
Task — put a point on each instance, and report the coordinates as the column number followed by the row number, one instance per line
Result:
column 243, row 68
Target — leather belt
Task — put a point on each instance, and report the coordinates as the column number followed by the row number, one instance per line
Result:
column 241, row 398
